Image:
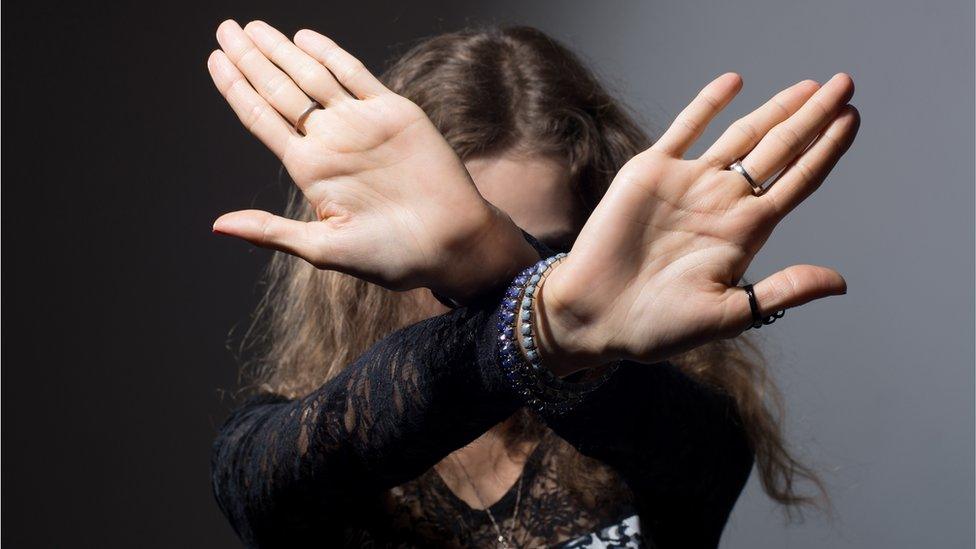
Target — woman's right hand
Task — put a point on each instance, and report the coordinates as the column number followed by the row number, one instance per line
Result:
column 655, row 270
column 394, row 203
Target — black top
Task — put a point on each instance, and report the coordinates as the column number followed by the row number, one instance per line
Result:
column 353, row 460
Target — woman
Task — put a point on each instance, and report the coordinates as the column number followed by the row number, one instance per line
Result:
column 387, row 418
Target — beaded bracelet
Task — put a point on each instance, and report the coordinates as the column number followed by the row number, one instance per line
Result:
column 518, row 353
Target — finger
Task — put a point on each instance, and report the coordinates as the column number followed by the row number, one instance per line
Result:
column 691, row 122
column 275, row 86
column 745, row 133
column 349, row 71
column 307, row 240
column 253, row 111
column 805, row 174
column 310, row 75
column 791, row 287
column 789, row 138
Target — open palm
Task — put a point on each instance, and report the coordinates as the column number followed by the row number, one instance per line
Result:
column 394, row 204
column 655, row 270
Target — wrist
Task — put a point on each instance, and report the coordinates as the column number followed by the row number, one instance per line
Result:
column 540, row 385
column 495, row 254
column 566, row 344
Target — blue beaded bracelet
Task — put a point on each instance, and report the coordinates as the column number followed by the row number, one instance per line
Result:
column 518, row 353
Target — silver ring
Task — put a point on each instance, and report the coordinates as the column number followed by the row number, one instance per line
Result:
column 300, row 123
column 756, row 188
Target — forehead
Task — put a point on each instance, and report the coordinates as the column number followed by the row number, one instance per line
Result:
column 535, row 191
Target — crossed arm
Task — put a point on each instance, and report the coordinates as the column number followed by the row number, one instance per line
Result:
column 286, row 471
column 396, row 207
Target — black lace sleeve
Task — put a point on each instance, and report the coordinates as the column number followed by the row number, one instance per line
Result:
column 286, row 470
column 678, row 444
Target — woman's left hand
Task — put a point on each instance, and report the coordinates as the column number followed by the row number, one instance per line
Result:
column 655, row 270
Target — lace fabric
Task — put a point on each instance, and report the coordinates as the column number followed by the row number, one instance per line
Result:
column 352, row 462
column 426, row 511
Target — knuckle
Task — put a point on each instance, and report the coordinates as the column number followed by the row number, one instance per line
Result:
column 268, row 230
column 353, row 70
column 833, row 142
column 247, row 56
column 790, row 285
column 254, row 116
column 274, row 52
column 783, row 288
column 235, row 85
column 309, row 73
column 806, row 173
column 819, row 105
column 746, row 127
column 328, row 54
column 789, row 137
column 713, row 160
column 777, row 104
column 276, row 84
column 712, row 103
column 690, row 124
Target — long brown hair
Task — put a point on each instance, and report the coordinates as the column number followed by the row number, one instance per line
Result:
column 488, row 92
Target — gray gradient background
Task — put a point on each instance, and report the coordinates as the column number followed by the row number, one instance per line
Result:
column 120, row 154
column 879, row 382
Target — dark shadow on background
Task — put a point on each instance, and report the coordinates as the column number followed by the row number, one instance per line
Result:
column 119, row 155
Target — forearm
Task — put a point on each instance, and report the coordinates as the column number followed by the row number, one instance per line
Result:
column 405, row 404
column 679, row 444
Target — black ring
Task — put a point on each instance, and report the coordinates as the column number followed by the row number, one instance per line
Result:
column 757, row 319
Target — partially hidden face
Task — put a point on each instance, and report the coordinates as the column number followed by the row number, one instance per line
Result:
column 535, row 191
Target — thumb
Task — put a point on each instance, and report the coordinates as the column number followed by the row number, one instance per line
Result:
column 792, row 287
column 306, row 240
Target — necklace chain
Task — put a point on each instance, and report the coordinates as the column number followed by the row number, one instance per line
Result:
column 504, row 542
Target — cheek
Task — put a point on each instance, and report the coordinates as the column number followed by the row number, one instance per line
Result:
column 538, row 196
column 540, row 212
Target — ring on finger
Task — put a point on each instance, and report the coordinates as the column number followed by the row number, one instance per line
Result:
column 300, row 122
column 757, row 188
column 758, row 320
